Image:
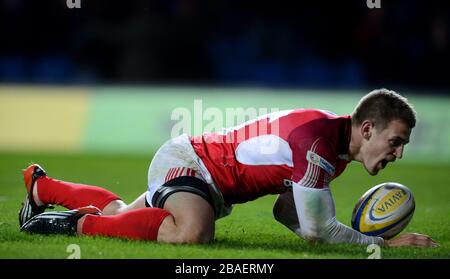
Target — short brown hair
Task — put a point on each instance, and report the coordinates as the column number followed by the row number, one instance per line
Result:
column 381, row 106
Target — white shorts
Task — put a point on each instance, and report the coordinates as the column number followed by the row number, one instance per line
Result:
column 177, row 158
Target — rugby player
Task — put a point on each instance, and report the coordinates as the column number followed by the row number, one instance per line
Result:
column 195, row 180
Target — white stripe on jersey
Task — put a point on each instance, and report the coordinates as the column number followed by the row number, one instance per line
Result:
column 316, row 168
column 305, row 179
column 312, row 172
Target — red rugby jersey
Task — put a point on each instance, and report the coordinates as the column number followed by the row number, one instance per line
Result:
column 265, row 155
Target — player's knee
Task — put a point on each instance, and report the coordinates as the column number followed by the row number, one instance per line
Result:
column 114, row 207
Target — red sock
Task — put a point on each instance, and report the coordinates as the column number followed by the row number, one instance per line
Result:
column 72, row 195
column 140, row 224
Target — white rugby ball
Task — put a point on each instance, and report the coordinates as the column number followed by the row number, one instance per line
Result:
column 385, row 210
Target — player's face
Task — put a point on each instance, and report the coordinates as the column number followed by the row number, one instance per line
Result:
column 385, row 146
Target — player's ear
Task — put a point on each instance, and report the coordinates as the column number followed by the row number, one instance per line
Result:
column 366, row 129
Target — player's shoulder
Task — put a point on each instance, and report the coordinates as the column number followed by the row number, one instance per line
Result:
column 314, row 124
column 315, row 120
column 313, row 113
column 301, row 115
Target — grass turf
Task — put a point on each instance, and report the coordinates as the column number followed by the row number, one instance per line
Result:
column 249, row 232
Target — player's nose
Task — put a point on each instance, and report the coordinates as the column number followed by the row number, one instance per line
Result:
column 399, row 151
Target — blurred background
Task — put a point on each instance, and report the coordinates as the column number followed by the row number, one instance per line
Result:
column 332, row 44
column 108, row 75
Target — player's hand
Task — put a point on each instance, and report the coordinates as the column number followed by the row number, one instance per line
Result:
column 411, row 239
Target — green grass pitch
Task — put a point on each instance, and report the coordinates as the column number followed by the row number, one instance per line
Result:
column 249, row 232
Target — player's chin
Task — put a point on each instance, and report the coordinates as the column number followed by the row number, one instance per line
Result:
column 373, row 170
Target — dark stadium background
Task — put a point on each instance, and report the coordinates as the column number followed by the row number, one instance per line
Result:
column 307, row 44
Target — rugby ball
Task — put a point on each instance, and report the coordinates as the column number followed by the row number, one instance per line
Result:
column 385, row 210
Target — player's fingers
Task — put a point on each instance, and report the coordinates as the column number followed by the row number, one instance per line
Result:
column 432, row 239
column 413, row 239
column 432, row 243
column 423, row 241
column 429, row 241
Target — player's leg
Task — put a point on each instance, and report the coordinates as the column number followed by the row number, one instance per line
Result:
column 43, row 191
column 186, row 218
column 191, row 220
column 181, row 212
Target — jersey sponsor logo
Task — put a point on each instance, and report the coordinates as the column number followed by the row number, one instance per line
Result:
column 317, row 160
